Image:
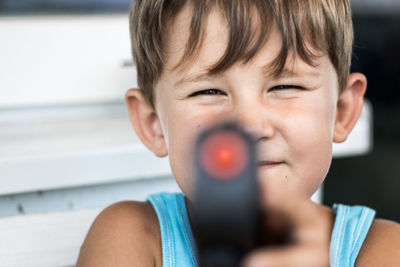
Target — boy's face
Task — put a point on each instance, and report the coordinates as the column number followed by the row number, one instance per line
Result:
column 292, row 117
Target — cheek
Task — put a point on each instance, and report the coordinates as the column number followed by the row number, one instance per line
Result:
column 181, row 135
column 310, row 143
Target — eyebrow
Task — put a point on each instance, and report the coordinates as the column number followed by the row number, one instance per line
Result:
column 194, row 78
column 285, row 73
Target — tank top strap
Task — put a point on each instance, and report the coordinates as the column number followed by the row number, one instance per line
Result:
column 351, row 227
column 178, row 246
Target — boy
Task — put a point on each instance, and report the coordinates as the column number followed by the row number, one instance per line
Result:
column 281, row 70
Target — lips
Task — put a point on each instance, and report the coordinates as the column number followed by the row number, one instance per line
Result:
column 268, row 163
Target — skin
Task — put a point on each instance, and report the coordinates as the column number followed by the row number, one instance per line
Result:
column 294, row 118
column 285, row 122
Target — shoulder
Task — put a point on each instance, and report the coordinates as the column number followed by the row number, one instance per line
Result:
column 382, row 245
column 124, row 234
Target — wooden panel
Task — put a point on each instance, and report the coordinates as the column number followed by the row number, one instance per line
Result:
column 45, row 240
column 51, row 148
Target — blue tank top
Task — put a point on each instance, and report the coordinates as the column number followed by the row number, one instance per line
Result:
column 177, row 241
column 178, row 247
column 351, row 227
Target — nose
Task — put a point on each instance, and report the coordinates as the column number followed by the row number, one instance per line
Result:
column 255, row 118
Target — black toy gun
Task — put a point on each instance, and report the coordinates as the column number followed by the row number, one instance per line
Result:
column 227, row 219
column 225, row 205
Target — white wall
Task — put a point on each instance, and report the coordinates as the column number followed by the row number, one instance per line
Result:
column 52, row 60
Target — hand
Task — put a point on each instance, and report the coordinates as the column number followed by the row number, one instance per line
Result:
column 311, row 226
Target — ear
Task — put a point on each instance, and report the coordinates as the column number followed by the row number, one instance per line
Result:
column 146, row 122
column 349, row 106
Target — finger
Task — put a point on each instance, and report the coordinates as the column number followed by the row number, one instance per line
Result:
column 299, row 211
column 294, row 256
column 280, row 226
column 304, row 223
column 276, row 228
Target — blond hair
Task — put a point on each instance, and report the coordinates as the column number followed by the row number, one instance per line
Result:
column 322, row 25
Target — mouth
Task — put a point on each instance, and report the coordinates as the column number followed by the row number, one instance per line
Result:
column 269, row 164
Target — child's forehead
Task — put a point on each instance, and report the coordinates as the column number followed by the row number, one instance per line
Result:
column 222, row 42
column 237, row 42
column 215, row 34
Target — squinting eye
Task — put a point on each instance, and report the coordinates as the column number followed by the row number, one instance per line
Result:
column 284, row 87
column 208, row 92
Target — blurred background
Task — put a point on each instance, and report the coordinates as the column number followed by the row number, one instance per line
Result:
column 373, row 179
column 66, row 143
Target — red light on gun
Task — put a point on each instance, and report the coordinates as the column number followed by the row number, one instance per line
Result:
column 224, row 155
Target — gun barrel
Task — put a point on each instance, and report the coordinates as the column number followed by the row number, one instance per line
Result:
column 225, row 205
